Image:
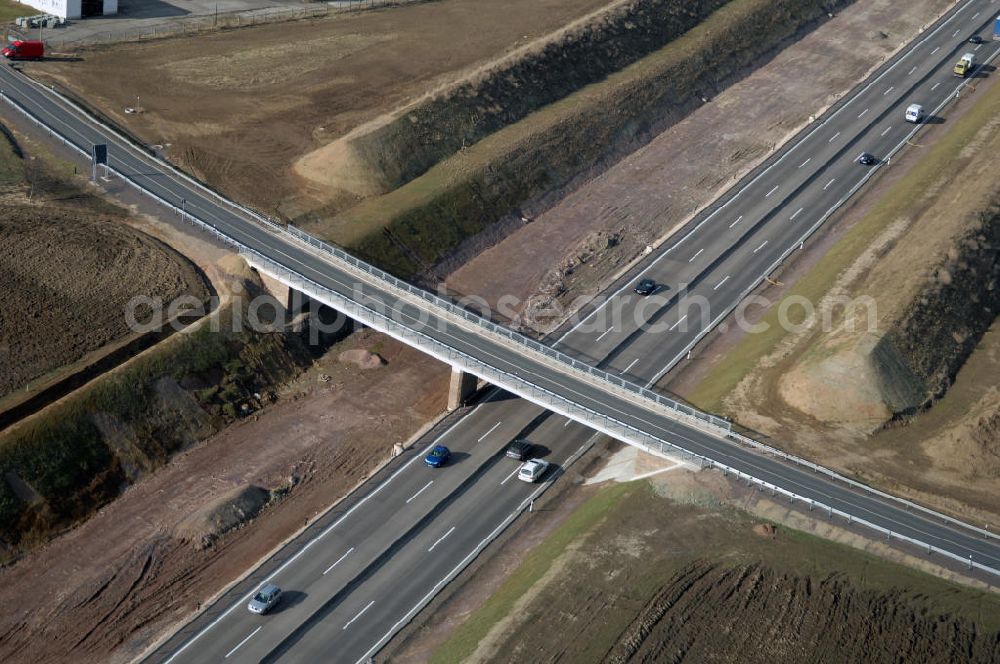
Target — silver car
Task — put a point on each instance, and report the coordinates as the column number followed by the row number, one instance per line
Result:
column 264, row 599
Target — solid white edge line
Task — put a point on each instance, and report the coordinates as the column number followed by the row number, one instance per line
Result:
column 913, row 47
column 214, row 195
column 711, row 326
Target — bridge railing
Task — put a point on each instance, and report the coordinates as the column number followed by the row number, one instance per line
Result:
column 506, row 333
column 599, row 421
column 702, row 419
column 651, row 443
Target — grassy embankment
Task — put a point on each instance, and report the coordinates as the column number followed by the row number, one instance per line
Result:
column 412, row 227
column 68, row 460
column 899, row 200
column 65, row 462
column 625, row 543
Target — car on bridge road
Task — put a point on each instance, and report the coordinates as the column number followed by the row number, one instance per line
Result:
column 264, row 599
column 438, row 456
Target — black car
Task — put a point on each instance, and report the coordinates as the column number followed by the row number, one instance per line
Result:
column 975, row 39
column 867, row 159
column 645, row 287
column 520, row 449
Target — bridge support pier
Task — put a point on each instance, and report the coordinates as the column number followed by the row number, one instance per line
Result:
column 290, row 299
column 462, row 386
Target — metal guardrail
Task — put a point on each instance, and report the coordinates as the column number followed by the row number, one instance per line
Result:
column 560, row 405
column 378, row 320
column 506, row 334
column 706, row 418
column 598, row 421
column 851, row 519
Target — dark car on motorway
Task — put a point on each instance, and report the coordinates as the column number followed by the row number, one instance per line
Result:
column 867, row 159
column 645, row 287
column 264, row 599
column 975, row 39
column 438, row 456
column 520, row 449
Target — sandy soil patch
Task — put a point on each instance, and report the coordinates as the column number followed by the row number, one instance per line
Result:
column 630, row 463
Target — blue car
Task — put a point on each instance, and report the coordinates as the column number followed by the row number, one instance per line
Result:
column 438, row 456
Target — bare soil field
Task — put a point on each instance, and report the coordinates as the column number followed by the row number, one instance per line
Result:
column 106, row 589
column 577, row 246
column 633, row 576
column 238, row 108
column 68, row 275
column 70, row 265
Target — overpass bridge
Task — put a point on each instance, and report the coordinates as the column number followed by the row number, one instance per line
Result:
column 535, row 371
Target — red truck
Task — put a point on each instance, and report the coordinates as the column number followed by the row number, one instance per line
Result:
column 24, row 50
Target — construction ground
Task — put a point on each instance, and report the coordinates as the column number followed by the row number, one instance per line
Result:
column 226, row 111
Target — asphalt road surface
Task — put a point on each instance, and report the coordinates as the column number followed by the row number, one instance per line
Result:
column 349, row 587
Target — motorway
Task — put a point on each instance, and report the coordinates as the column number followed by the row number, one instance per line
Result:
column 352, row 585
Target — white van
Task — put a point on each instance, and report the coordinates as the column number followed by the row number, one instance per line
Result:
column 914, row 113
column 532, row 470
